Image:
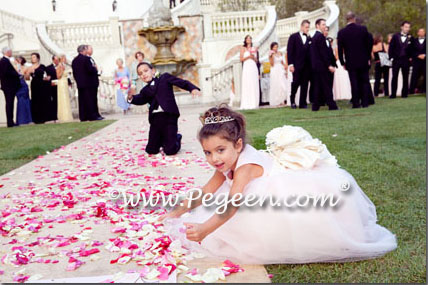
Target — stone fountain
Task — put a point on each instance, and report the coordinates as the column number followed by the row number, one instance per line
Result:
column 162, row 33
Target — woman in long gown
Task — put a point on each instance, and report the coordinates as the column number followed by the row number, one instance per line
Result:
column 40, row 96
column 341, row 82
column 379, row 46
column 64, row 107
column 122, row 80
column 278, row 77
column 250, row 90
column 293, row 176
column 23, row 109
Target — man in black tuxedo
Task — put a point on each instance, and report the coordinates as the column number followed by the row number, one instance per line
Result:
column 298, row 59
column 322, row 68
column 418, row 61
column 163, row 110
column 85, row 73
column 354, row 45
column 10, row 83
column 95, row 79
column 400, row 52
column 51, row 72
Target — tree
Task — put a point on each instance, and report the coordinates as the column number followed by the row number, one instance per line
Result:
column 384, row 16
column 287, row 8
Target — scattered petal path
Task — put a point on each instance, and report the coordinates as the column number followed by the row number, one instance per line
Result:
column 57, row 219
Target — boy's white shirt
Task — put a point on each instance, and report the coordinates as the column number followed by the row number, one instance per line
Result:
column 159, row 109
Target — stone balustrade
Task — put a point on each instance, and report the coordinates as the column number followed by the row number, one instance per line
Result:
column 235, row 24
column 98, row 34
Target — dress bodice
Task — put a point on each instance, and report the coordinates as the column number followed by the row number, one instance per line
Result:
column 277, row 59
column 250, row 155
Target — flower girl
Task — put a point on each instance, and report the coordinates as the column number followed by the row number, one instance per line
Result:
column 298, row 172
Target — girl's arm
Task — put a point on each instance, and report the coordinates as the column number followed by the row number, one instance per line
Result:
column 271, row 61
column 211, row 187
column 242, row 176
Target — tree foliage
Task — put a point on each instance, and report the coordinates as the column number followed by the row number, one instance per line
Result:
column 385, row 16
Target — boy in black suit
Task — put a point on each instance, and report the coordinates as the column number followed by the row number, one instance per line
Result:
column 163, row 110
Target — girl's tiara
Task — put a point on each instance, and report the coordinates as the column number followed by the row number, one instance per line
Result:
column 217, row 119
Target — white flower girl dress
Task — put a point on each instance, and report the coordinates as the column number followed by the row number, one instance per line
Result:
column 296, row 167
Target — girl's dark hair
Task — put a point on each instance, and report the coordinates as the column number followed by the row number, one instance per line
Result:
column 231, row 130
column 273, row 44
column 137, row 53
column 245, row 40
column 36, row 54
column 22, row 60
column 377, row 38
column 144, row 63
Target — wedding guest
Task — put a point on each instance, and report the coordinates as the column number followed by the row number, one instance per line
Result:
column 400, row 52
column 86, row 76
column 278, row 84
column 23, row 110
column 163, row 110
column 341, row 83
column 250, row 89
column 298, row 58
column 51, row 72
column 122, row 81
column 96, row 83
column 41, row 102
column 64, row 107
column 419, row 62
column 354, row 48
column 380, row 49
column 10, row 84
column 136, row 80
column 322, row 68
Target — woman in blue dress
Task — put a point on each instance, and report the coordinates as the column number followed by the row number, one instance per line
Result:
column 23, row 110
column 123, row 83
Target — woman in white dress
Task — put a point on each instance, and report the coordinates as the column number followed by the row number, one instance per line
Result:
column 250, row 94
column 341, row 83
column 278, row 77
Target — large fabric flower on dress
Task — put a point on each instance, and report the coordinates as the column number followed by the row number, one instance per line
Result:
column 294, row 148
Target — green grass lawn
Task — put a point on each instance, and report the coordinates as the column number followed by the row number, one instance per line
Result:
column 22, row 144
column 384, row 148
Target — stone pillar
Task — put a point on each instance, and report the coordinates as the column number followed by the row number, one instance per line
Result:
column 114, row 29
column 205, row 85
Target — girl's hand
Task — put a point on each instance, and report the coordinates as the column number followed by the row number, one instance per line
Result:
column 195, row 232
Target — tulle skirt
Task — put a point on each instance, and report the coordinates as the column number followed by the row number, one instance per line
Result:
column 295, row 234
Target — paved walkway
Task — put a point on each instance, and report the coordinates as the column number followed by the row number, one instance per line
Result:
column 57, row 220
